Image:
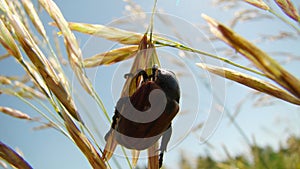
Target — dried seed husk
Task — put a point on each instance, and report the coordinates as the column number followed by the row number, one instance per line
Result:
column 153, row 162
column 34, row 17
column 259, row 58
column 8, row 42
column 83, row 143
column 12, row 157
column 135, row 157
column 252, row 82
column 110, row 146
column 29, row 90
column 289, row 9
column 110, row 33
column 258, row 3
column 14, row 113
column 111, row 57
column 5, row 81
column 72, row 47
column 145, row 58
column 40, row 62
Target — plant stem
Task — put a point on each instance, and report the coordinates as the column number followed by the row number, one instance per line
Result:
column 126, row 156
column 284, row 20
column 100, row 104
column 56, row 126
column 180, row 46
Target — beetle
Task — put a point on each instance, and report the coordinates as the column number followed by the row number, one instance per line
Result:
column 144, row 117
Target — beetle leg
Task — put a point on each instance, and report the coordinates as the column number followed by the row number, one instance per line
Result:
column 144, row 74
column 154, row 70
column 141, row 72
column 128, row 75
column 116, row 116
column 113, row 125
column 164, row 142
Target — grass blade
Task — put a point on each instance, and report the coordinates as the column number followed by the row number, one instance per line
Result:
column 153, row 162
column 251, row 82
column 8, row 42
column 110, row 33
column 14, row 113
column 40, row 62
column 110, row 146
column 146, row 57
column 111, row 57
column 34, row 17
column 73, row 50
column 258, row 3
column 83, row 143
column 12, row 157
column 5, row 81
column 135, row 157
column 289, row 9
column 132, row 38
column 260, row 59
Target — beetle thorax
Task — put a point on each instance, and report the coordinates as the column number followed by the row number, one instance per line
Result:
column 168, row 82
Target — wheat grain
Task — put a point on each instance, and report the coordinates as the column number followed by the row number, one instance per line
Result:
column 14, row 113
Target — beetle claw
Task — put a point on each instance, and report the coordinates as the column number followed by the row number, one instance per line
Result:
column 144, row 74
column 160, row 161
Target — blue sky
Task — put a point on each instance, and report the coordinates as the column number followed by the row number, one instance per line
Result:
column 269, row 125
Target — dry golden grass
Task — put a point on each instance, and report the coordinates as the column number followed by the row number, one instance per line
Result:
column 252, row 82
column 40, row 62
column 12, row 157
column 259, row 4
column 110, row 33
column 14, row 113
column 34, row 17
column 44, row 71
column 8, row 42
column 111, row 57
column 153, row 162
column 83, row 143
column 289, row 9
column 259, row 58
column 72, row 47
column 135, row 157
column 286, row 6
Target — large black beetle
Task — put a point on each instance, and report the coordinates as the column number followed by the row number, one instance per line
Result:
column 144, row 117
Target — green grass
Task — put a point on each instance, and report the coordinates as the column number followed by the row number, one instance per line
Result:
column 287, row 157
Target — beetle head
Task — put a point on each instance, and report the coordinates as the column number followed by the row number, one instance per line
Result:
column 167, row 80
